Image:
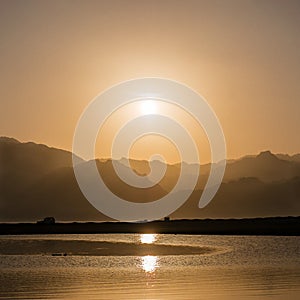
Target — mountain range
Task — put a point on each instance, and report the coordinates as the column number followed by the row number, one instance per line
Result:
column 38, row 181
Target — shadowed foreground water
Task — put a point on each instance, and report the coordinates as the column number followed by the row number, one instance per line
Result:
column 224, row 267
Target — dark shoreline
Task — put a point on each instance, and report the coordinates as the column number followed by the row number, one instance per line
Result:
column 285, row 226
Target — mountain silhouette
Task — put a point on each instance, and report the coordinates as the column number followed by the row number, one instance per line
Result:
column 38, row 181
column 266, row 167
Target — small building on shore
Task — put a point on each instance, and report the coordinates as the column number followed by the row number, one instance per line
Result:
column 47, row 220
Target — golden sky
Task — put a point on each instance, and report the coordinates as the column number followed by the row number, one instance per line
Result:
column 242, row 56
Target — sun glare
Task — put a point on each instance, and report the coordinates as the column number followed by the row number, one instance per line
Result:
column 148, row 238
column 149, row 263
column 148, row 107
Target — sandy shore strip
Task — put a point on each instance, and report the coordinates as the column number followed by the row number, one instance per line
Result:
column 95, row 248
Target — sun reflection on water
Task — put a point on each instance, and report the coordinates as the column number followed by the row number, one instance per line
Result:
column 148, row 238
column 149, row 263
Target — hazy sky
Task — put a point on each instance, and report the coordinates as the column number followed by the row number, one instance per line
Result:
column 242, row 56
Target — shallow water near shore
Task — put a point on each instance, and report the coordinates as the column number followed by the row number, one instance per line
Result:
column 134, row 266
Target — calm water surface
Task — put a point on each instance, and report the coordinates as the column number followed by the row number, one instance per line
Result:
column 240, row 267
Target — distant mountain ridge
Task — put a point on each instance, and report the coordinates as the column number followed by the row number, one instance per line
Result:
column 295, row 157
column 38, row 181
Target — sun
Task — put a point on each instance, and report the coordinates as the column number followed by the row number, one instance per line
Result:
column 148, row 107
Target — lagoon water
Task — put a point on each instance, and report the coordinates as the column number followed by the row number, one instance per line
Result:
column 109, row 266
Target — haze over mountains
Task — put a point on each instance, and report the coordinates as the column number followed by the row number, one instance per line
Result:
column 38, row 181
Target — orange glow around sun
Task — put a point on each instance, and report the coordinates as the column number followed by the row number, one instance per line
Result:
column 151, row 144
